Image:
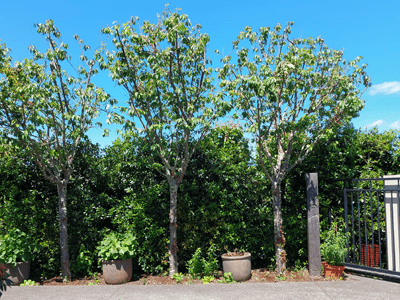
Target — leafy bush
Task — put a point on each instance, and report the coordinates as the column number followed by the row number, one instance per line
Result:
column 210, row 264
column 117, row 246
column 195, row 265
column 334, row 247
column 199, row 266
column 17, row 246
column 83, row 262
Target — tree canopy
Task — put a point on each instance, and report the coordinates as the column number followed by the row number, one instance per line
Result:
column 167, row 74
column 289, row 93
column 47, row 111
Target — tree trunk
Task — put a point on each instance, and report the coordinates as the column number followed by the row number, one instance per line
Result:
column 62, row 206
column 173, row 225
column 279, row 238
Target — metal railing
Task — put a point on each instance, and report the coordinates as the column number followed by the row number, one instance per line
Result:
column 371, row 209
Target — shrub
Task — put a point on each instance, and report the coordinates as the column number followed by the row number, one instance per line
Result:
column 117, row 246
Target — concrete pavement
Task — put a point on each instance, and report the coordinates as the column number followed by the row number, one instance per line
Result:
column 359, row 288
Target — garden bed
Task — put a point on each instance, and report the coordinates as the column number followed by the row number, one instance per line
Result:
column 258, row 276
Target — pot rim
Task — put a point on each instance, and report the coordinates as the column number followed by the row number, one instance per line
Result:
column 115, row 260
column 238, row 257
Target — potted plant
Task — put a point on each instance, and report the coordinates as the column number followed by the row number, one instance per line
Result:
column 334, row 251
column 115, row 252
column 17, row 249
column 237, row 263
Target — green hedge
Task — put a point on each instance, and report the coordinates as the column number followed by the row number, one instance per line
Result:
column 223, row 199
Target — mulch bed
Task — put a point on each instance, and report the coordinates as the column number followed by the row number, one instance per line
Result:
column 258, row 276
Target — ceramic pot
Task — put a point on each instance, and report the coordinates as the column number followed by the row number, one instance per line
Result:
column 332, row 271
column 117, row 271
column 20, row 273
column 240, row 266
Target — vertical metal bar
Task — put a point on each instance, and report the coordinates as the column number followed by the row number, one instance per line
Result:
column 379, row 230
column 365, row 230
column 359, row 222
column 352, row 228
column 386, row 224
column 372, row 226
column 346, row 219
column 392, row 225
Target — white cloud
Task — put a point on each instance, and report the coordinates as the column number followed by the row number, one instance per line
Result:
column 386, row 88
column 376, row 123
column 395, row 125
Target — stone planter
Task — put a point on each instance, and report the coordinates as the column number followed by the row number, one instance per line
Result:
column 117, row 271
column 239, row 266
column 332, row 271
column 19, row 273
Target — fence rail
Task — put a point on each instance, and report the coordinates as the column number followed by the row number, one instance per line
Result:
column 371, row 209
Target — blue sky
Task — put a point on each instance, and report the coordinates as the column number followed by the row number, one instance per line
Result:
column 370, row 29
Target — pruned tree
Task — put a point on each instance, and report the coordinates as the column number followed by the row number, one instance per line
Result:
column 166, row 73
column 289, row 93
column 47, row 112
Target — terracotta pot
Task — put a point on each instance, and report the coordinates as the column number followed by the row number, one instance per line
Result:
column 19, row 273
column 240, row 266
column 370, row 261
column 117, row 271
column 332, row 271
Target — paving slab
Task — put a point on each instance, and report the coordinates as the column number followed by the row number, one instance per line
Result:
column 357, row 288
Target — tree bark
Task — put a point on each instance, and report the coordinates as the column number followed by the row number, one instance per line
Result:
column 62, row 206
column 173, row 225
column 279, row 238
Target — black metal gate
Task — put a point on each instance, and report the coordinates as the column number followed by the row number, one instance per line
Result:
column 372, row 216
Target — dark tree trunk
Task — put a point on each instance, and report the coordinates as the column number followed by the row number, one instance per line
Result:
column 62, row 206
column 279, row 238
column 173, row 225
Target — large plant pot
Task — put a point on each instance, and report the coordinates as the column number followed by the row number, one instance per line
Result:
column 332, row 271
column 371, row 249
column 117, row 271
column 239, row 266
column 19, row 273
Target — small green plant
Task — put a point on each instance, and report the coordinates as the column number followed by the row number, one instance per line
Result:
column 334, row 247
column 199, row 265
column 29, row 283
column 272, row 265
column 164, row 274
column 227, row 278
column 144, row 280
column 280, row 277
column 96, row 278
column 195, row 265
column 17, row 246
column 210, row 264
column 208, row 279
column 178, row 277
column 117, row 246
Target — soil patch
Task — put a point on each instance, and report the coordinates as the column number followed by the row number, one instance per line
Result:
column 257, row 276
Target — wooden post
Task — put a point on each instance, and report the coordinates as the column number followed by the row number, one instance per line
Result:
column 313, row 233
